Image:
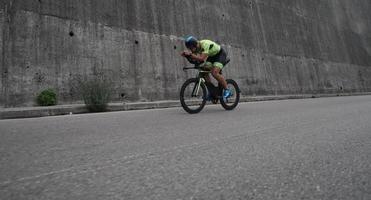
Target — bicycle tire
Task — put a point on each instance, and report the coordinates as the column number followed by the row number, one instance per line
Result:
column 236, row 99
column 183, row 102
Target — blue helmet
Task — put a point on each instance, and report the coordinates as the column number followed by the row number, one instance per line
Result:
column 190, row 42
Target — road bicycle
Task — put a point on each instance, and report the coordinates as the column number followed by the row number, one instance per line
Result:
column 195, row 92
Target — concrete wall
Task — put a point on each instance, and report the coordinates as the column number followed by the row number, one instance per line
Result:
column 276, row 47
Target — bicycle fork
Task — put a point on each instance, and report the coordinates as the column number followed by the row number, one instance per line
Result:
column 196, row 89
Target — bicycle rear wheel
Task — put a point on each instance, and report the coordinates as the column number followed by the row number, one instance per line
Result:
column 231, row 102
column 192, row 97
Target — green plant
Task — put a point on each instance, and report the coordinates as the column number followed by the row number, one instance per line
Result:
column 47, row 98
column 96, row 92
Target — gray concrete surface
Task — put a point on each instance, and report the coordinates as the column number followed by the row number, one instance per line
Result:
column 294, row 149
column 276, row 47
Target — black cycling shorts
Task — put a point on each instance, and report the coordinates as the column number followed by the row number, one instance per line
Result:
column 218, row 60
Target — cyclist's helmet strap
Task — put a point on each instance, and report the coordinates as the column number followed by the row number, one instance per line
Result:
column 190, row 42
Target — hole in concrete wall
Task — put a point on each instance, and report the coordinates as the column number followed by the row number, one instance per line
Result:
column 122, row 95
column 4, row 74
column 222, row 15
column 71, row 33
column 341, row 88
column 39, row 77
column 27, row 67
column 136, row 42
column 243, row 55
column 174, row 47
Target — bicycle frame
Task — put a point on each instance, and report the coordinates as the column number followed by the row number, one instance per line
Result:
column 201, row 80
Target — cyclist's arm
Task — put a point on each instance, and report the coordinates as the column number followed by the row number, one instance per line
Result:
column 199, row 57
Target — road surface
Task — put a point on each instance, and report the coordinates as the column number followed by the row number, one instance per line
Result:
column 291, row 149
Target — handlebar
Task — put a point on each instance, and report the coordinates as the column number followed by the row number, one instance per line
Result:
column 201, row 69
column 187, row 68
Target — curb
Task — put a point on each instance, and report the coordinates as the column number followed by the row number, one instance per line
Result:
column 29, row 112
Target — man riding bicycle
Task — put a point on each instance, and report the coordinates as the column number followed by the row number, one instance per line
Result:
column 211, row 55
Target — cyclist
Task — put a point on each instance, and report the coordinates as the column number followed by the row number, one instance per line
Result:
column 211, row 55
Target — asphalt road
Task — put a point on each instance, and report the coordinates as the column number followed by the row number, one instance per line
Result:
column 292, row 149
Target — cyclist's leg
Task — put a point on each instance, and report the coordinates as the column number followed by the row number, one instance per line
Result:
column 215, row 71
column 207, row 78
column 207, row 66
column 218, row 65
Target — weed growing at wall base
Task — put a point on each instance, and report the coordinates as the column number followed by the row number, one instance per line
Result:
column 96, row 92
column 47, row 98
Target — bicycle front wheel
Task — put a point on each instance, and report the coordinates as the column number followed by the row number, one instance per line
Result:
column 193, row 96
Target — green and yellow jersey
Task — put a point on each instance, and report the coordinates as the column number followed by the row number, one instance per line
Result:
column 209, row 48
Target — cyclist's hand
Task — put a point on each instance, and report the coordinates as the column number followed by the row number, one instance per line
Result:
column 186, row 53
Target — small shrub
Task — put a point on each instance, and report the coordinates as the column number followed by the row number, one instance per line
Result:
column 96, row 93
column 47, row 98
